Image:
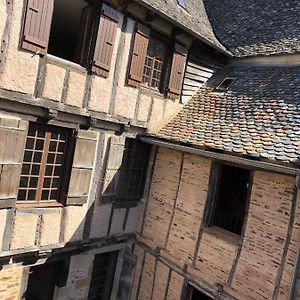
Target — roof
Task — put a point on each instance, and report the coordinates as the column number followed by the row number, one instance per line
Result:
column 192, row 18
column 259, row 115
column 251, row 27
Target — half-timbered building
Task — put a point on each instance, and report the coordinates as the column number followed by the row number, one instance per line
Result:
column 149, row 149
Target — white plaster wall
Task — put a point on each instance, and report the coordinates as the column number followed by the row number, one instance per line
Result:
column 101, row 87
column 126, row 97
column 20, row 67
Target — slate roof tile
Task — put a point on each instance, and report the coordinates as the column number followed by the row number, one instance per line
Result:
column 258, row 116
column 251, row 27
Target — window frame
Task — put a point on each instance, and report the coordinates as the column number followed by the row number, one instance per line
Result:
column 66, row 166
column 88, row 63
column 123, row 199
column 212, row 197
column 183, row 5
column 157, row 38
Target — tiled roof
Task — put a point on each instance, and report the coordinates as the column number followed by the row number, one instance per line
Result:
column 193, row 18
column 258, row 116
column 252, row 27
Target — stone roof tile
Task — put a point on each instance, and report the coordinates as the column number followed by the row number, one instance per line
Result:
column 258, row 116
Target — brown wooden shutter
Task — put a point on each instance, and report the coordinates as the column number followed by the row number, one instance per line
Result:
column 141, row 40
column 105, row 42
column 84, row 35
column 177, row 71
column 37, row 25
column 13, row 134
column 110, row 188
column 82, row 168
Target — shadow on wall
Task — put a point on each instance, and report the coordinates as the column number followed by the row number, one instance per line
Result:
column 247, row 27
column 100, row 222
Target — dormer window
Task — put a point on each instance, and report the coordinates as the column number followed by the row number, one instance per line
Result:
column 224, row 85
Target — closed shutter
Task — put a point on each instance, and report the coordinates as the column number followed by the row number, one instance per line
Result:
column 84, row 35
column 138, row 57
column 37, row 25
column 127, row 274
column 177, row 71
column 13, row 134
column 82, row 168
column 105, row 40
column 110, row 187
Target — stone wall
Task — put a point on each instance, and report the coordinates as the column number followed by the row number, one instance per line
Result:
column 257, row 265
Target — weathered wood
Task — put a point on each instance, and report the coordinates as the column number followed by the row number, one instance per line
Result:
column 82, row 168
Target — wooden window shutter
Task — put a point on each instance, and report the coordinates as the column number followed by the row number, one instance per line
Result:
column 82, row 168
column 84, row 35
column 110, row 188
column 13, row 133
column 105, row 42
column 37, row 26
column 177, row 71
column 140, row 46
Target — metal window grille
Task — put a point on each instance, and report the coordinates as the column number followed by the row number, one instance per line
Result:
column 230, row 204
column 134, row 166
column 43, row 164
column 103, row 276
column 154, row 63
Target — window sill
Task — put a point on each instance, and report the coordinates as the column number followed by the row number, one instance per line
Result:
column 61, row 62
column 27, row 204
column 152, row 91
column 223, row 234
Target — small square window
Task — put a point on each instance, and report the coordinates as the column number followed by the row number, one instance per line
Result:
column 230, row 198
column 181, row 3
column 224, row 85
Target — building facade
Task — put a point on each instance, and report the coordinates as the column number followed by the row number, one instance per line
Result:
column 145, row 154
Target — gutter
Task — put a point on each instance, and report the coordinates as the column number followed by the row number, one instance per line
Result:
column 224, row 157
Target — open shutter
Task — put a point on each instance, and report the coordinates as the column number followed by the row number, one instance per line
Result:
column 138, row 57
column 13, row 134
column 177, row 71
column 110, row 186
column 84, row 35
column 82, row 168
column 105, row 40
column 37, row 25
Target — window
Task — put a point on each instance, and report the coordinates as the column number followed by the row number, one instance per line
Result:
column 41, row 282
column 125, row 172
column 194, row 294
column 73, row 30
column 230, row 198
column 181, row 2
column 65, row 28
column 155, row 58
column 133, row 170
column 224, row 85
column 103, row 276
column 43, row 164
column 148, row 58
